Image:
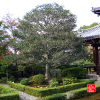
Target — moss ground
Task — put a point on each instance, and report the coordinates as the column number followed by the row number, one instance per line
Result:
column 93, row 97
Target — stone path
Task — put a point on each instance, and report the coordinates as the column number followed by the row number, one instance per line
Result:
column 98, row 81
column 24, row 96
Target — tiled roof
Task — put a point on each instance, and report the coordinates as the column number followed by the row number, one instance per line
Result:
column 91, row 32
column 95, row 8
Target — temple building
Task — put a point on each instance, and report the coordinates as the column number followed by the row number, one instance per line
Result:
column 92, row 36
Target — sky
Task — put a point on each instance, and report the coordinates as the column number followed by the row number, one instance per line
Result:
column 81, row 8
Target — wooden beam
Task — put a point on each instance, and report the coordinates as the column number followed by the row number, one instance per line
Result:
column 97, row 60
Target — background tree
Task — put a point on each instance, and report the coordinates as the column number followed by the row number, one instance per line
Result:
column 47, row 36
column 88, row 26
column 11, row 22
column 4, row 50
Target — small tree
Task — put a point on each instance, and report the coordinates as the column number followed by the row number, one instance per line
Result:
column 47, row 36
column 11, row 22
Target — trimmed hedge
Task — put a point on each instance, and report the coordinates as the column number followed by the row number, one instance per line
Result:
column 24, row 81
column 8, row 93
column 58, row 96
column 38, row 92
column 32, row 91
column 75, row 94
column 16, row 86
column 64, row 88
column 59, row 89
column 80, row 93
column 77, row 72
column 38, row 79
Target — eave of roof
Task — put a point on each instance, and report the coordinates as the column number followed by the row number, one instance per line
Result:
column 96, row 10
column 90, row 33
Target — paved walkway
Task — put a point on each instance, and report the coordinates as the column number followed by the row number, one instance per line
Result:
column 24, row 96
column 98, row 81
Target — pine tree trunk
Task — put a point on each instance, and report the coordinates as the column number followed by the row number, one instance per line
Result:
column 47, row 74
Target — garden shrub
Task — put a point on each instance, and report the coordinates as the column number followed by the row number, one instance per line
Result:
column 77, row 94
column 77, row 72
column 58, row 96
column 12, row 78
column 82, row 92
column 24, row 81
column 68, row 80
column 55, row 72
column 16, row 86
column 44, row 92
column 4, row 79
column 64, row 88
column 8, row 93
column 54, row 83
column 32, row 91
column 38, row 79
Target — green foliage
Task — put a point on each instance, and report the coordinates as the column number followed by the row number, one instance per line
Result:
column 89, row 26
column 84, row 62
column 12, row 78
column 38, row 79
column 64, row 88
column 8, row 93
column 24, row 81
column 32, row 91
column 55, row 72
column 54, row 83
column 45, row 31
column 82, row 92
column 4, row 79
column 77, row 72
column 77, row 94
column 44, row 92
column 67, row 80
column 58, row 96
column 16, row 86
column 32, row 69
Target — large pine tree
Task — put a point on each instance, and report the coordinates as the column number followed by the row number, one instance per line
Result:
column 46, row 36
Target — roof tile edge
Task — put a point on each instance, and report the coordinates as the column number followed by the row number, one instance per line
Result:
column 89, row 29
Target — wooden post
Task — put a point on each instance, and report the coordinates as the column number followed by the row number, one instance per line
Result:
column 97, row 60
column 89, row 70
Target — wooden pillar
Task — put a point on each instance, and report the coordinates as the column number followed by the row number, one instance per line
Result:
column 89, row 70
column 97, row 60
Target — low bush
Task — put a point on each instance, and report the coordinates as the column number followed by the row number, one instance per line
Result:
column 12, row 78
column 82, row 92
column 54, row 83
column 16, row 86
column 55, row 72
column 38, row 79
column 68, row 80
column 64, row 88
column 58, row 96
column 71, row 95
column 8, row 93
column 77, row 72
column 32, row 91
column 24, row 81
column 4, row 79
column 49, row 91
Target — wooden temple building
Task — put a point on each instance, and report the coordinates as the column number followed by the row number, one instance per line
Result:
column 92, row 36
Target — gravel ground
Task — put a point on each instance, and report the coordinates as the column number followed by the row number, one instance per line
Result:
column 24, row 96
